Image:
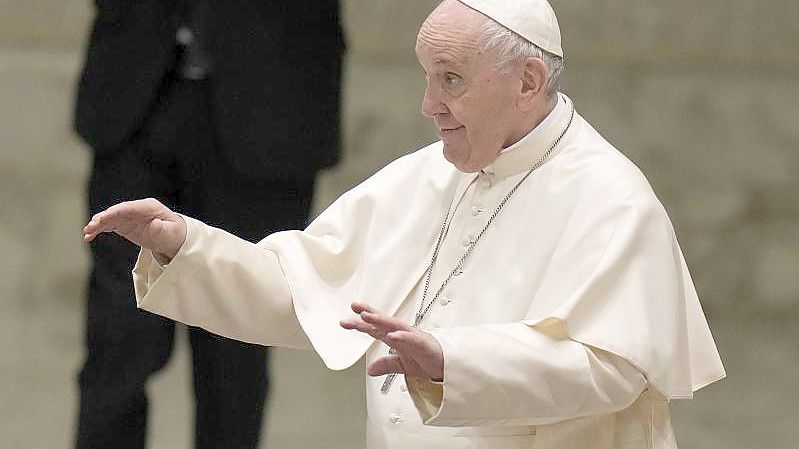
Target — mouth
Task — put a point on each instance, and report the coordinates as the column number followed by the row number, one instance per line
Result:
column 447, row 131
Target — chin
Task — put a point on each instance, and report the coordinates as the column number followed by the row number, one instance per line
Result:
column 456, row 159
column 463, row 165
column 466, row 169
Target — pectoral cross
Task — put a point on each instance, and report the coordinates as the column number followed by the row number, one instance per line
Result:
column 389, row 378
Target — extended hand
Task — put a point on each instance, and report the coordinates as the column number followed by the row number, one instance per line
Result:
column 147, row 223
column 418, row 353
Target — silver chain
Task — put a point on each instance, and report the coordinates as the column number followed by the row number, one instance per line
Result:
column 423, row 309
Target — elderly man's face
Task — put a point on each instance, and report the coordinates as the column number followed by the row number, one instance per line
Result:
column 473, row 104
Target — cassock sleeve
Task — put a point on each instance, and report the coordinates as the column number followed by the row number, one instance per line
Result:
column 535, row 379
column 293, row 287
column 224, row 284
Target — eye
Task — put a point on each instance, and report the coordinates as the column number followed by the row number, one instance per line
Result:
column 452, row 79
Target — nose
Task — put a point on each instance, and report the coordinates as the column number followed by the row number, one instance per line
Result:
column 432, row 103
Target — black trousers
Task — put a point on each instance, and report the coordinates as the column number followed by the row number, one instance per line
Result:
column 175, row 159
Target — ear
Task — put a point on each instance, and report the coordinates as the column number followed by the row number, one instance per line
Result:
column 533, row 82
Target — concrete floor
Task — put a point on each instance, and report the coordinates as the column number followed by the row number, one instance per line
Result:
column 311, row 407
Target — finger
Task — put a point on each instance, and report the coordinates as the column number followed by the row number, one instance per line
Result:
column 386, row 365
column 104, row 221
column 359, row 325
column 401, row 341
column 129, row 210
column 97, row 225
column 385, row 322
column 359, row 307
column 88, row 238
column 416, row 342
column 355, row 324
column 144, row 208
column 93, row 223
column 410, row 338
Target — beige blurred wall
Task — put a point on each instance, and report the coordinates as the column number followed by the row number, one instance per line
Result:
column 702, row 95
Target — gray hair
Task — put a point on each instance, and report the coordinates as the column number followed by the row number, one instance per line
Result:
column 511, row 48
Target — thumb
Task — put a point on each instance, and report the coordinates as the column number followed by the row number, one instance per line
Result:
column 167, row 238
column 385, row 365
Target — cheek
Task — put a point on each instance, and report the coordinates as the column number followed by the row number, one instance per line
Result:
column 495, row 116
column 483, row 129
column 484, row 109
column 467, row 114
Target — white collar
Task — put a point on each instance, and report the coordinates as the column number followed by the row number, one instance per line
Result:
column 522, row 154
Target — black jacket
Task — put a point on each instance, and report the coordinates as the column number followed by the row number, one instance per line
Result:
column 275, row 83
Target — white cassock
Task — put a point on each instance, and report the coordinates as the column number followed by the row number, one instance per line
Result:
column 571, row 326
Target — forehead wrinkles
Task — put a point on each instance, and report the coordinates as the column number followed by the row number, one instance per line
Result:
column 448, row 38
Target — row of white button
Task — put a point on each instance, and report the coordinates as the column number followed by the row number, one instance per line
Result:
column 397, row 417
column 475, row 210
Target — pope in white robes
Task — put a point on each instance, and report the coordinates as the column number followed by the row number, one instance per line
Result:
column 522, row 271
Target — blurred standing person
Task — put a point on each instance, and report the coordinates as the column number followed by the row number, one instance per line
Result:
column 225, row 111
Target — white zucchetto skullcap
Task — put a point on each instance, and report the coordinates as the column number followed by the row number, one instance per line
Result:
column 533, row 20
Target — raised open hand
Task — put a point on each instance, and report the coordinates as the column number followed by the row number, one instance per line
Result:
column 147, row 223
column 417, row 352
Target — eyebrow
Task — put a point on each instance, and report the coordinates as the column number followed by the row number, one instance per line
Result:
column 447, row 60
